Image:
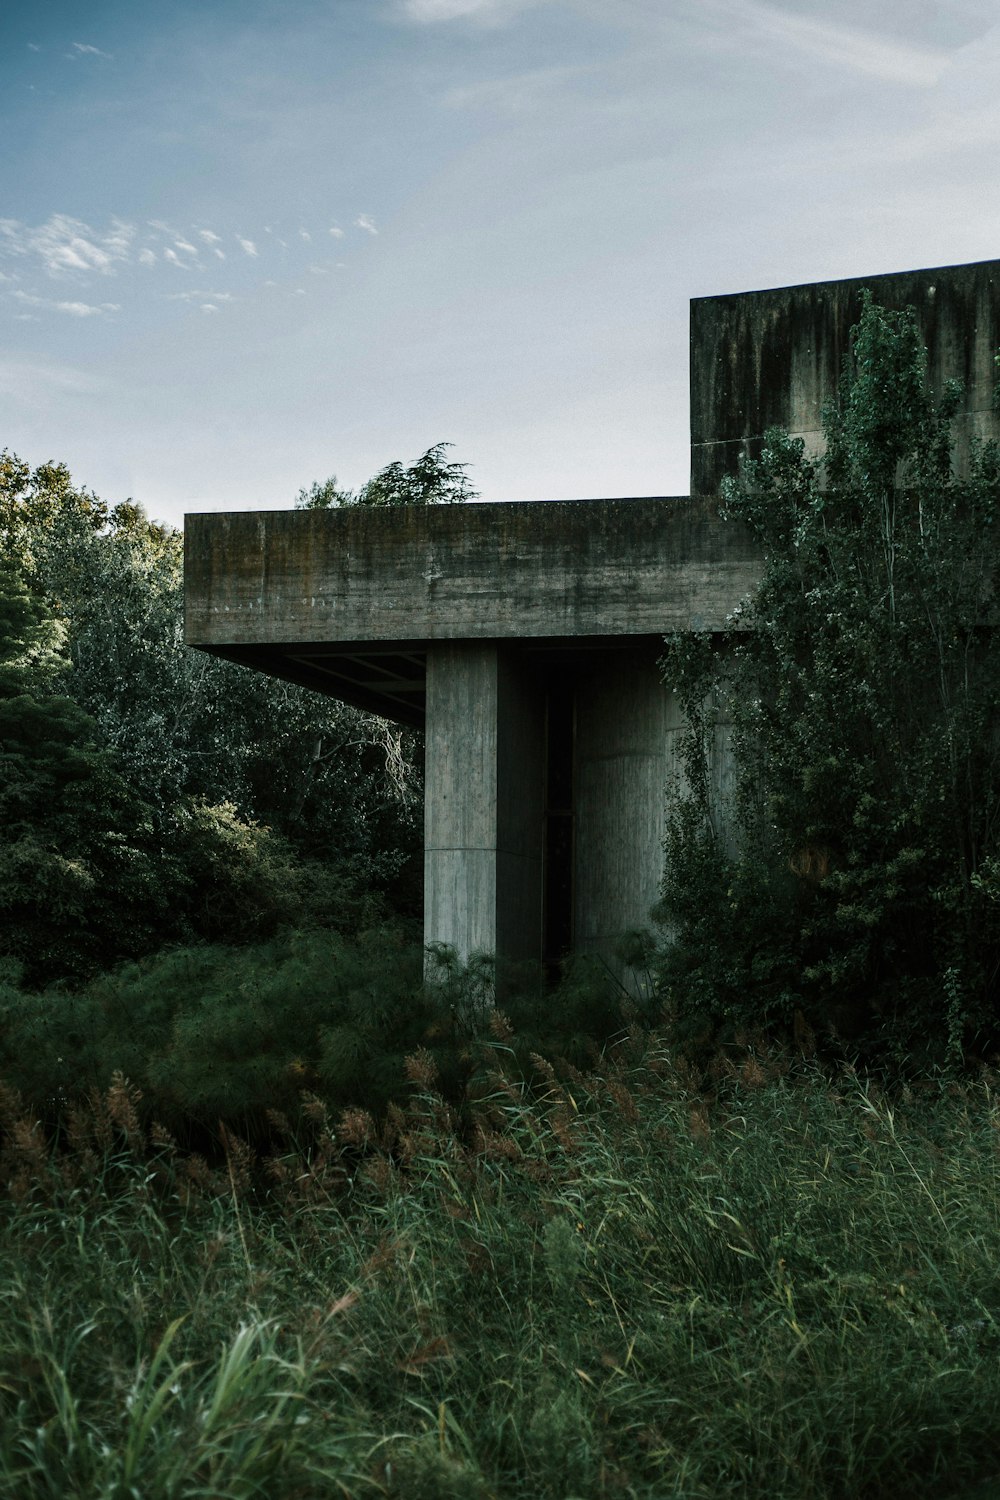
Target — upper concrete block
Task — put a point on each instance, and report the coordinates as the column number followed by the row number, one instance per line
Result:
column 460, row 572
column 773, row 358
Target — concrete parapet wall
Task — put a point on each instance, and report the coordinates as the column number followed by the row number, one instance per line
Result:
column 773, row 358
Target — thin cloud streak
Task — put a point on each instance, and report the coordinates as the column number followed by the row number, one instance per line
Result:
column 83, row 49
column 74, row 309
column 29, row 381
column 490, row 12
column 862, row 51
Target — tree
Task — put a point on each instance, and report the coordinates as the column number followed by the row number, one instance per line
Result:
column 432, row 480
column 324, row 496
column 80, row 875
column 184, row 727
column 150, row 794
column 862, row 684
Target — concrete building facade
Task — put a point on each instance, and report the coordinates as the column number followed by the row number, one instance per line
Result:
column 523, row 638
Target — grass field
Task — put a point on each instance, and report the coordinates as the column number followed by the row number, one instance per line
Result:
column 622, row 1284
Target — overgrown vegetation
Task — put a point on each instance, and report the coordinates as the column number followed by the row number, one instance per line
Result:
column 152, row 795
column 280, row 1217
column 853, row 880
column 433, row 479
column 632, row 1282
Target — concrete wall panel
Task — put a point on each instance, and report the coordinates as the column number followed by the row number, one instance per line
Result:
column 773, row 358
column 622, row 723
column 483, row 802
column 460, row 899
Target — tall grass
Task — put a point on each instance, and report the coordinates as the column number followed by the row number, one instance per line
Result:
column 606, row 1284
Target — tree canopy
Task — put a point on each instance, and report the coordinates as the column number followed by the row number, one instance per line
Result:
column 432, row 480
column 227, row 800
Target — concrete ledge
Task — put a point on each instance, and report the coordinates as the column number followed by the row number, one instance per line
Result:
column 461, row 572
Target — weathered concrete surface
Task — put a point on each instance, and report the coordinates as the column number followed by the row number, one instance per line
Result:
column 347, row 601
column 483, row 802
column 773, row 358
column 621, row 774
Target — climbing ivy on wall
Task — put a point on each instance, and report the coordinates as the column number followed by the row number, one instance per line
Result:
column 854, row 883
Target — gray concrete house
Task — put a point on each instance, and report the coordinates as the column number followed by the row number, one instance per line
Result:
column 523, row 637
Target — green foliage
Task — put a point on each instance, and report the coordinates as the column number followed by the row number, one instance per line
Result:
column 432, row 480
column 860, row 687
column 158, row 794
column 219, row 1033
column 186, row 726
column 612, row 1285
column 73, row 837
column 323, row 496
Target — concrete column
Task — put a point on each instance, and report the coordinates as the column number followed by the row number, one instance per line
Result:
column 622, row 757
column 483, row 802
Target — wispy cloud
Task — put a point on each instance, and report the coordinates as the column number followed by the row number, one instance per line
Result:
column 213, row 241
column 429, row 12
column 249, row 247
column 365, row 222
column 27, row 381
column 63, row 245
column 337, row 232
column 200, row 296
column 174, row 259
column 83, row 49
column 86, row 309
column 147, row 257
column 860, row 49
column 515, row 93
column 74, row 309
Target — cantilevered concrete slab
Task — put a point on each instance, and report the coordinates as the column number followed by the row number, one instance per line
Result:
column 348, row 601
column 525, row 638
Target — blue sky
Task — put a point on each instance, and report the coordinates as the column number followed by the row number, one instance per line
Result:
column 247, row 244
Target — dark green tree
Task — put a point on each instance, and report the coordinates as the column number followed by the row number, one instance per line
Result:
column 862, row 687
column 432, row 480
column 80, row 876
column 184, row 727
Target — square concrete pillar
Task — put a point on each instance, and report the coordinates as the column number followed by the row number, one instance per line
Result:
column 483, row 817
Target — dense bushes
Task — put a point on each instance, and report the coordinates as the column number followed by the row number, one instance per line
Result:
column 149, row 794
column 855, row 884
column 218, row 1034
